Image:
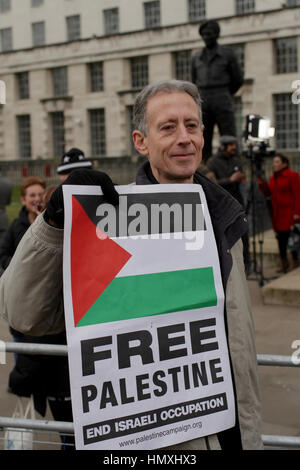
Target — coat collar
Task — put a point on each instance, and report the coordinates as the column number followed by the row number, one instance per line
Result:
column 283, row 172
column 205, row 53
column 23, row 216
column 224, row 209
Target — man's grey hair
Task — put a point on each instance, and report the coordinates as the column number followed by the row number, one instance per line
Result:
column 170, row 86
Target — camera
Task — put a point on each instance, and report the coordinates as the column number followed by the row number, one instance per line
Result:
column 39, row 207
column 258, row 153
column 258, row 128
column 257, row 133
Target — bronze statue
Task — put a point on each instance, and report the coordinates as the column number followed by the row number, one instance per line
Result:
column 218, row 76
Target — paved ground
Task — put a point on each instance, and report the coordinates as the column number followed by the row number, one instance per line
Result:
column 276, row 329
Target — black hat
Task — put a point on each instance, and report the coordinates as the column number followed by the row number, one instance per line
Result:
column 212, row 23
column 72, row 160
column 227, row 139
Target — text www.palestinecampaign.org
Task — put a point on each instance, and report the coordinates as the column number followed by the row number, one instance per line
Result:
column 155, row 435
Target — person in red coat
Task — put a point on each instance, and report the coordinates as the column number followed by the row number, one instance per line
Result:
column 284, row 186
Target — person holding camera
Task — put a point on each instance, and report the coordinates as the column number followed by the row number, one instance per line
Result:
column 227, row 168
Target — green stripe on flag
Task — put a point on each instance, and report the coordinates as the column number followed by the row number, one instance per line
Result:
column 153, row 294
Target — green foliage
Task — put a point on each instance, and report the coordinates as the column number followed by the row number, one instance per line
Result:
column 14, row 208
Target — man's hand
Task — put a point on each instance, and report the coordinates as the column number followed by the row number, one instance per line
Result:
column 55, row 206
column 238, row 177
column 38, row 208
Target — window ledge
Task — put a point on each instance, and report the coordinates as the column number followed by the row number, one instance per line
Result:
column 130, row 90
column 248, row 81
column 57, row 98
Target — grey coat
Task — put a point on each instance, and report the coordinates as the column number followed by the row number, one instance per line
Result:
column 37, row 268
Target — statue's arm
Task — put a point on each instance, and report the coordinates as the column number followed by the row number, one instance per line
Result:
column 235, row 72
column 193, row 70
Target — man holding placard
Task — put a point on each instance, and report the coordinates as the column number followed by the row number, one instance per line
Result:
column 175, row 370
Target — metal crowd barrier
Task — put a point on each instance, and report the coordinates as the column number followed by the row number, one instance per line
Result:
column 68, row 428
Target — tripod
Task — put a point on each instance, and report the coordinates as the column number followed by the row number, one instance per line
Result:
column 255, row 164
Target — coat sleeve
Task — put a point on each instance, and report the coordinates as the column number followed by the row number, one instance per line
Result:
column 241, row 339
column 295, row 187
column 7, row 248
column 235, row 72
column 225, row 182
column 31, row 288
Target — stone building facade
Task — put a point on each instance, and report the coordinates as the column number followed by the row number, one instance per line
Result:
column 72, row 68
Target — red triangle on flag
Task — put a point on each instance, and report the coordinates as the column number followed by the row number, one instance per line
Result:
column 95, row 261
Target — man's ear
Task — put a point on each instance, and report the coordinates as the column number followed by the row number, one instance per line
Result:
column 140, row 142
column 202, row 130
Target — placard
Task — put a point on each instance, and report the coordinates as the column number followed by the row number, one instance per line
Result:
column 144, row 306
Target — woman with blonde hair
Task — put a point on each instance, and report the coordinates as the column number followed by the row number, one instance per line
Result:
column 32, row 191
column 46, row 378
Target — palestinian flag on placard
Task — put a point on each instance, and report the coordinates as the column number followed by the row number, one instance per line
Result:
column 101, row 294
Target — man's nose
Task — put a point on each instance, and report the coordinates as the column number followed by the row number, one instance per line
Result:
column 183, row 135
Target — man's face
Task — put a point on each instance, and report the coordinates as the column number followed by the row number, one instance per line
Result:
column 33, row 196
column 175, row 138
column 209, row 36
column 63, row 177
column 231, row 149
column 278, row 164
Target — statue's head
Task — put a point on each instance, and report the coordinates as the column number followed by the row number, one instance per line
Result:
column 209, row 31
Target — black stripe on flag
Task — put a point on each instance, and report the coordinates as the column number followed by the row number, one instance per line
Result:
column 146, row 213
column 147, row 421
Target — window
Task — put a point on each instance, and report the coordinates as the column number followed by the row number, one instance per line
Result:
column 58, row 133
column 23, row 85
column 152, row 14
column 73, row 27
column 36, row 3
column 292, row 3
column 139, row 71
column 243, row 7
column 286, row 122
column 239, row 52
column 38, row 34
column 6, row 39
column 96, row 76
column 97, row 131
column 111, row 21
column 182, row 64
column 24, row 136
column 286, row 55
column 4, row 6
column 196, row 10
column 59, row 81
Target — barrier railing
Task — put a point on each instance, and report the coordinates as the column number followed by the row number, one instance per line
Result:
column 68, row 428
column 62, row 350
